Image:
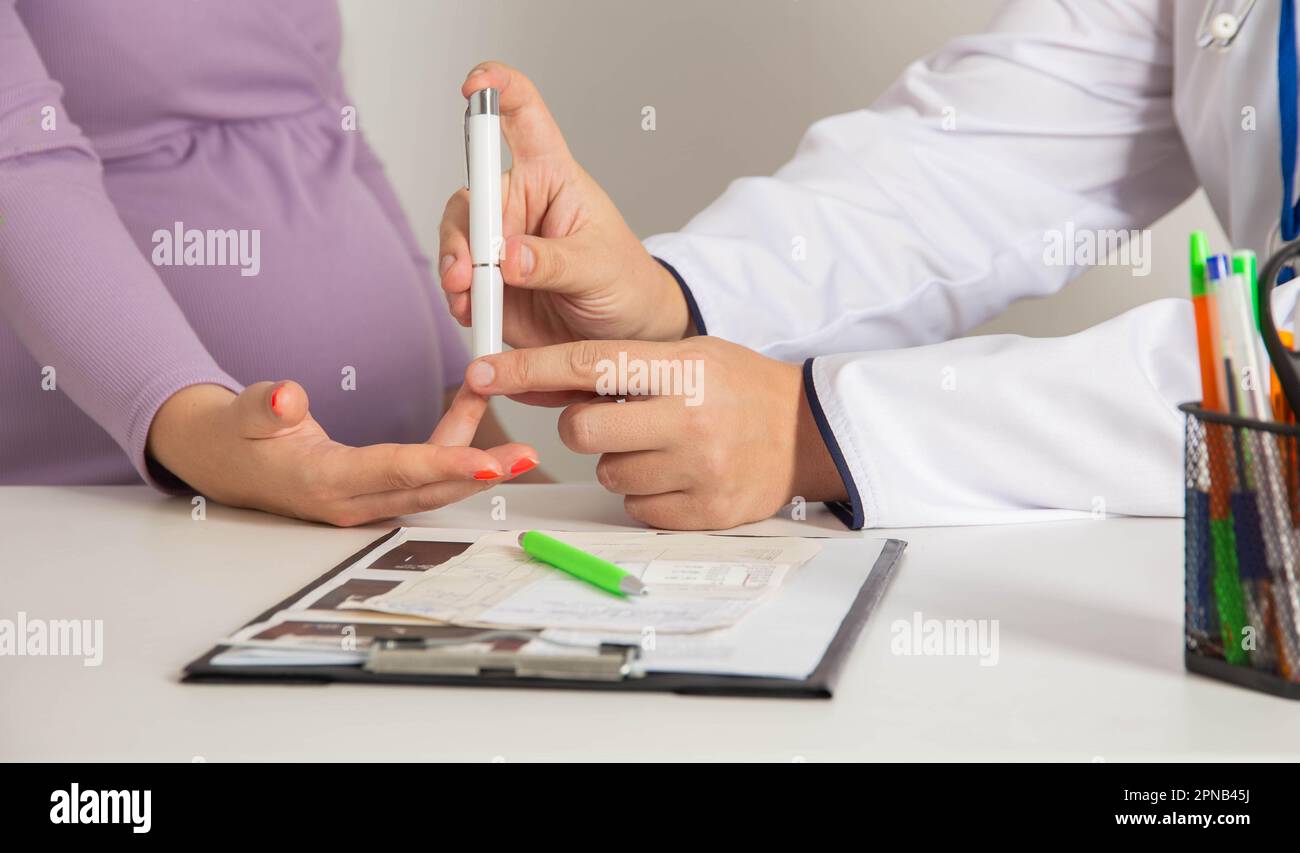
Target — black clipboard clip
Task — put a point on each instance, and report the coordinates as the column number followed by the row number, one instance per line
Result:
column 1286, row 363
column 477, row 655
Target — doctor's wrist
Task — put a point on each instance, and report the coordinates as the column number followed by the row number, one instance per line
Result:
column 675, row 307
column 816, row 476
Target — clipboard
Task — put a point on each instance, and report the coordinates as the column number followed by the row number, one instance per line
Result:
column 609, row 667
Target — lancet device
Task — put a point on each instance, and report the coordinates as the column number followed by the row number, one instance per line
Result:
column 483, row 176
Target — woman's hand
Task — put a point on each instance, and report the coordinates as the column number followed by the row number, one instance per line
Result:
column 573, row 269
column 263, row 450
column 712, row 434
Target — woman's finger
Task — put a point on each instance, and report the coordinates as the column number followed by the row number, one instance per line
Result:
column 514, row 458
column 350, row 471
column 461, row 420
column 365, row 508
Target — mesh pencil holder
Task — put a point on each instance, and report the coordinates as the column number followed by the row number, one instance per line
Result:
column 1242, row 482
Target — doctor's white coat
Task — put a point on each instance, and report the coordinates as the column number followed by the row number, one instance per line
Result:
column 1093, row 115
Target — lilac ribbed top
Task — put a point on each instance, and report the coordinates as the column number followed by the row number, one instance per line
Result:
column 120, row 120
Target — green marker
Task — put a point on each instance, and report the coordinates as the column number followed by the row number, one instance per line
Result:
column 1198, row 251
column 1245, row 265
column 580, row 564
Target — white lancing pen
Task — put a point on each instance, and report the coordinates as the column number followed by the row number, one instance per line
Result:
column 483, row 165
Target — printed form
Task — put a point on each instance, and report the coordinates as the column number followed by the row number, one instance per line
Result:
column 695, row 583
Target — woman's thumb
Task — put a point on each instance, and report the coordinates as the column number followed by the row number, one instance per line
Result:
column 266, row 408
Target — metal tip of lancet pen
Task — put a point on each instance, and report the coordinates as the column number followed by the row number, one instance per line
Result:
column 483, row 102
column 632, row 586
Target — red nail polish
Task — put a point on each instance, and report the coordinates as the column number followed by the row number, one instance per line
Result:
column 523, row 465
column 485, row 474
column 275, row 399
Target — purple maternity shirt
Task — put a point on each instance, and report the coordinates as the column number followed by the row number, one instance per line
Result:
column 119, row 120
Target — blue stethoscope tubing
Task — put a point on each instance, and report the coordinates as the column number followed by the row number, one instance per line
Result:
column 1279, row 267
column 1287, row 106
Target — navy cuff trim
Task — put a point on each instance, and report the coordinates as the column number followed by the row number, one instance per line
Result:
column 691, row 306
column 850, row 512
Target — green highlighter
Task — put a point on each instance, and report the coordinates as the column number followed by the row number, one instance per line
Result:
column 580, row 564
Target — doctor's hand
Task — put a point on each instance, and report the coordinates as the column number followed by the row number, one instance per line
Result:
column 720, row 436
column 573, row 269
column 263, row 450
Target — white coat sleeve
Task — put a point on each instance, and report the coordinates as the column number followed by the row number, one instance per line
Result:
column 913, row 221
column 1005, row 429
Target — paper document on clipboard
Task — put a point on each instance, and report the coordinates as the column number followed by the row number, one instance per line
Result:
column 696, row 583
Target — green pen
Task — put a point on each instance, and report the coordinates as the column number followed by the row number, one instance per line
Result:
column 580, row 564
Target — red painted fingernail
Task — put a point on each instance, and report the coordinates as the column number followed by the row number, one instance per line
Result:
column 275, row 400
column 485, row 474
column 525, row 464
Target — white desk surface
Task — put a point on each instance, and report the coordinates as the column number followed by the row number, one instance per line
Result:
column 1090, row 668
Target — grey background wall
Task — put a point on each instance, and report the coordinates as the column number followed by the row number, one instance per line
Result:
column 734, row 84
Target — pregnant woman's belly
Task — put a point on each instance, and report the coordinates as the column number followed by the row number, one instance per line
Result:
column 287, row 267
column 225, row 118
